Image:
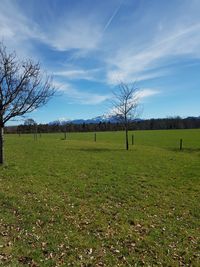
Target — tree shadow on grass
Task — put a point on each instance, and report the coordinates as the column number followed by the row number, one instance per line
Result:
column 97, row 150
column 187, row 150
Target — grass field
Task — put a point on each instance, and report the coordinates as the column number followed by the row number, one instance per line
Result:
column 75, row 202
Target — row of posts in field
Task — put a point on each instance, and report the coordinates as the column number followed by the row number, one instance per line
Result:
column 95, row 137
column 35, row 135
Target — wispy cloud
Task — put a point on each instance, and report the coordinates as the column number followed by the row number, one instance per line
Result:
column 78, row 74
column 147, row 92
column 141, row 95
column 70, row 31
column 81, row 97
column 113, row 77
column 74, row 33
column 130, row 64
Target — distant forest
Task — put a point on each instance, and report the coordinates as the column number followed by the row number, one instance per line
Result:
column 150, row 124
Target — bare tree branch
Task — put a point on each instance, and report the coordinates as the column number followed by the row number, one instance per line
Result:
column 24, row 87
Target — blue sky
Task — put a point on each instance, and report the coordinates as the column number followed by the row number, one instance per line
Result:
column 89, row 45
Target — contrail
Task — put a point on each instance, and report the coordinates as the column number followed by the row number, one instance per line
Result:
column 112, row 17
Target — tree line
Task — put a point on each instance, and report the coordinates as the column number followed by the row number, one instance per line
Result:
column 150, row 124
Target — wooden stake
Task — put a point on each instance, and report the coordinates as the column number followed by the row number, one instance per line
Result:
column 181, row 144
column 132, row 139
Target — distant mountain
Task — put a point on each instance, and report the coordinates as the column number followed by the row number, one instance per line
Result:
column 98, row 119
column 193, row 118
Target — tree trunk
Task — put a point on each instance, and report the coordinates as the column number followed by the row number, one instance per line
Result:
column 126, row 130
column 1, row 144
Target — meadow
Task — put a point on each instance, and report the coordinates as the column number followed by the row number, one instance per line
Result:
column 77, row 202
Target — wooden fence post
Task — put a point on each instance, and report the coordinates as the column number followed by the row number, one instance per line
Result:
column 181, row 144
column 95, row 137
column 132, row 139
column 35, row 132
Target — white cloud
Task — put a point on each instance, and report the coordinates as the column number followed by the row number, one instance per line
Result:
column 17, row 31
column 67, row 32
column 74, row 33
column 138, row 97
column 78, row 74
column 147, row 92
column 128, row 64
column 114, row 77
column 81, row 97
column 120, row 53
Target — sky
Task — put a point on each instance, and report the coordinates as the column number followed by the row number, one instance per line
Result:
column 90, row 45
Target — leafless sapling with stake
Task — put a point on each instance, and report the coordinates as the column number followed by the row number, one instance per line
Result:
column 125, row 105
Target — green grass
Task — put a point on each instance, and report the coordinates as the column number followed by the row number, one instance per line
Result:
column 75, row 202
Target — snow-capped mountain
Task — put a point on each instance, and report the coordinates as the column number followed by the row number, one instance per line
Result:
column 98, row 119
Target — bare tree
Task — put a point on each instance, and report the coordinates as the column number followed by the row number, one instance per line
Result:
column 29, row 122
column 125, row 105
column 23, row 88
column 31, row 127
